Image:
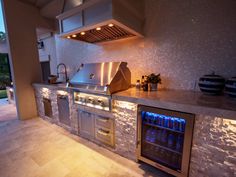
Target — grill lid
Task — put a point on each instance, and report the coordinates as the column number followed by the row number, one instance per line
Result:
column 105, row 77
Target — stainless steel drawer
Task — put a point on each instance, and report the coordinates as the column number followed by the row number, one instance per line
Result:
column 104, row 136
column 104, row 122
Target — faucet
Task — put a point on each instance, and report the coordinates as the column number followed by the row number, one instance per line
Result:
column 65, row 71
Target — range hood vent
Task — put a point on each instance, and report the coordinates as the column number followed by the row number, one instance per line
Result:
column 106, row 34
column 97, row 21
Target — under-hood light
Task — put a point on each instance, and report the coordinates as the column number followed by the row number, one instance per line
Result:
column 74, row 35
column 68, row 37
column 110, row 25
column 82, row 33
column 98, row 28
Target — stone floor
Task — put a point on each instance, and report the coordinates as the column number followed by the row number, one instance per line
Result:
column 7, row 111
column 35, row 148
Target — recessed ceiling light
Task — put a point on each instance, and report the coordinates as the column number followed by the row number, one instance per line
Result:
column 82, row 33
column 98, row 28
column 68, row 37
column 74, row 35
column 110, row 25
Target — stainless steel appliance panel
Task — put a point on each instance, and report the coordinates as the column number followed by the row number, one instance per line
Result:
column 47, row 107
column 104, row 78
column 104, row 136
column 165, row 138
column 104, row 122
column 86, row 124
column 96, row 73
column 63, row 109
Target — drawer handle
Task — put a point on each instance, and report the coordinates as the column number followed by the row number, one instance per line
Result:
column 103, row 132
column 103, row 119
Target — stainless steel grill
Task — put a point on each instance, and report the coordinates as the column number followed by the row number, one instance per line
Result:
column 94, row 83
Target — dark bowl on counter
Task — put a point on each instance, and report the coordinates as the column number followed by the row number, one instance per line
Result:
column 211, row 84
column 230, row 87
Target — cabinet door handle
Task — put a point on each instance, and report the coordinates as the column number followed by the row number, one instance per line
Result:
column 103, row 119
column 103, row 132
column 62, row 96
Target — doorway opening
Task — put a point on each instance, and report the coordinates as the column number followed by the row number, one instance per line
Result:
column 7, row 98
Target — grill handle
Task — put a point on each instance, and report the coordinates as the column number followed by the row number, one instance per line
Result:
column 103, row 132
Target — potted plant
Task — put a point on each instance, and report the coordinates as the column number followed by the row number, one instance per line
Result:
column 153, row 80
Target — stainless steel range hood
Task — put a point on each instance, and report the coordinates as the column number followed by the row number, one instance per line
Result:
column 103, row 20
column 102, row 78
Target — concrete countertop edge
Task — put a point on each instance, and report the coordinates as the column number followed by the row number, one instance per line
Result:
column 188, row 108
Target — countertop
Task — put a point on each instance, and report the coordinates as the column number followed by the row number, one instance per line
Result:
column 184, row 101
column 53, row 86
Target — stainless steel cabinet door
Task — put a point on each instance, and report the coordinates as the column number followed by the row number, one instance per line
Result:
column 63, row 109
column 86, row 124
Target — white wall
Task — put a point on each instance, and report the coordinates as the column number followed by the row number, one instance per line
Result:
column 49, row 51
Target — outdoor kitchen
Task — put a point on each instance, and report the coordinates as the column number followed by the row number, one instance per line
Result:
column 151, row 83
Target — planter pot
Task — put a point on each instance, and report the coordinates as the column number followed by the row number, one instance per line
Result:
column 153, row 87
column 230, row 87
column 211, row 84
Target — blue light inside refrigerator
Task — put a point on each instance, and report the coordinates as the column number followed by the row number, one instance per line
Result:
column 163, row 138
column 174, row 123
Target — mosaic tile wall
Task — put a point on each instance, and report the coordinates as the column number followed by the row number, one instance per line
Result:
column 184, row 39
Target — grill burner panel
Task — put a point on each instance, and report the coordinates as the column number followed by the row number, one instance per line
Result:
column 92, row 100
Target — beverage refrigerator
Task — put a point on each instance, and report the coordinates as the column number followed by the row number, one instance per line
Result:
column 165, row 139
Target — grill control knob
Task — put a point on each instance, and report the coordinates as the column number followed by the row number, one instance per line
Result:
column 82, row 98
column 90, row 100
column 100, row 102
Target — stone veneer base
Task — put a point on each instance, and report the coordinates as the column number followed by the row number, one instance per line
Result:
column 214, row 139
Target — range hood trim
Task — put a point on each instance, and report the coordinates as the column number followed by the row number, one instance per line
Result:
column 78, row 8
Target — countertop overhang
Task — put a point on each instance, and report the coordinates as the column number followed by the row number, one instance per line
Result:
column 178, row 100
column 181, row 100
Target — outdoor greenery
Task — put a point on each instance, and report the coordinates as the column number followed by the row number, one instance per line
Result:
column 3, row 94
column 154, row 78
column 2, row 36
column 5, row 76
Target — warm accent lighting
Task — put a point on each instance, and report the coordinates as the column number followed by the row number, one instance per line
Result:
column 62, row 92
column 82, row 33
column 110, row 25
column 125, row 105
column 74, row 35
column 68, row 37
column 102, row 72
column 98, row 28
column 45, row 92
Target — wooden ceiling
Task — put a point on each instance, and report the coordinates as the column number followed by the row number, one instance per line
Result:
column 38, row 3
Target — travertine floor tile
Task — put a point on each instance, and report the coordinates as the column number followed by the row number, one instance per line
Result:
column 35, row 148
